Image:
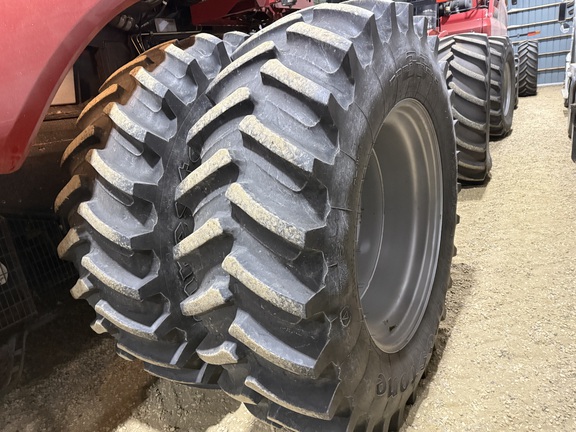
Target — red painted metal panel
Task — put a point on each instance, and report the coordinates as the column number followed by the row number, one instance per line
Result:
column 471, row 21
column 300, row 4
column 210, row 11
column 491, row 20
column 41, row 39
column 497, row 22
column 223, row 12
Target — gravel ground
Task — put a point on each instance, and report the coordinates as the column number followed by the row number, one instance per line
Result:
column 505, row 357
column 507, row 347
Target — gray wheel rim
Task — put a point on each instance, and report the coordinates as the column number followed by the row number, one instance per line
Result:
column 399, row 229
column 507, row 96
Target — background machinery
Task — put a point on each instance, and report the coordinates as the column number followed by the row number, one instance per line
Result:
column 566, row 20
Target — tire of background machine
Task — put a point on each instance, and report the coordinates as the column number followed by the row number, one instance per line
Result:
column 516, row 83
column 572, row 136
column 284, row 151
column 527, row 68
column 570, row 102
column 570, row 122
column 468, row 76
column 120, row 208
column 502, row 90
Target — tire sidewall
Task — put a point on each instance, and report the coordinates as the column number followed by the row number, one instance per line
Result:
column 508, row 58
column 402, row 370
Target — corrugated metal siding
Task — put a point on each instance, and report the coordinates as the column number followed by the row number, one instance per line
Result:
column 529, row 15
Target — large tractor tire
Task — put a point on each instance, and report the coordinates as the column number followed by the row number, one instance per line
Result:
column 468, row 76
column 516, row 83
column 120, row 206
column 323, row 314
column 527, row 68
column 502, row 86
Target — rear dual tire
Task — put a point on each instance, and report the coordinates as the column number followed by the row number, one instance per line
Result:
column 293, row 151
column 289, row 169
column 120, row 207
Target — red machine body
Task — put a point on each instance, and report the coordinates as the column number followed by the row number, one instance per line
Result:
column 485, row 16
column 33, row 67
column 41, row 42
column 224, row 13
column 43, row 39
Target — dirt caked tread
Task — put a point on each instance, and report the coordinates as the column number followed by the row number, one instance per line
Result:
column 468, row 76
column 527, row 68
column 119, row 204
column 501, row 110
column 277, row 161
column 232, row 40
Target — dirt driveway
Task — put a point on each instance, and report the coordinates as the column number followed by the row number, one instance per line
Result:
column 507, row 350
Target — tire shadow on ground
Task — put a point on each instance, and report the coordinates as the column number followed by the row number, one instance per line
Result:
column 474, row 192
column 72, row 379
column 58, row 341
column 174, row 406
column 463, row 280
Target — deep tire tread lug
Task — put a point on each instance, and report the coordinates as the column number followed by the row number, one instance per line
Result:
column 248, row 331
column 468, row 76
column 128, row 131
column 104, row 309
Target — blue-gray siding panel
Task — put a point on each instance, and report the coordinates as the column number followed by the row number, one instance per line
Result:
column 553, row 44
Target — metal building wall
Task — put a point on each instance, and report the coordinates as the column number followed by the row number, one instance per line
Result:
column 533, row 15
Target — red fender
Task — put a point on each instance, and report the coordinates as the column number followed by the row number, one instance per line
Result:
column 41, row 41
